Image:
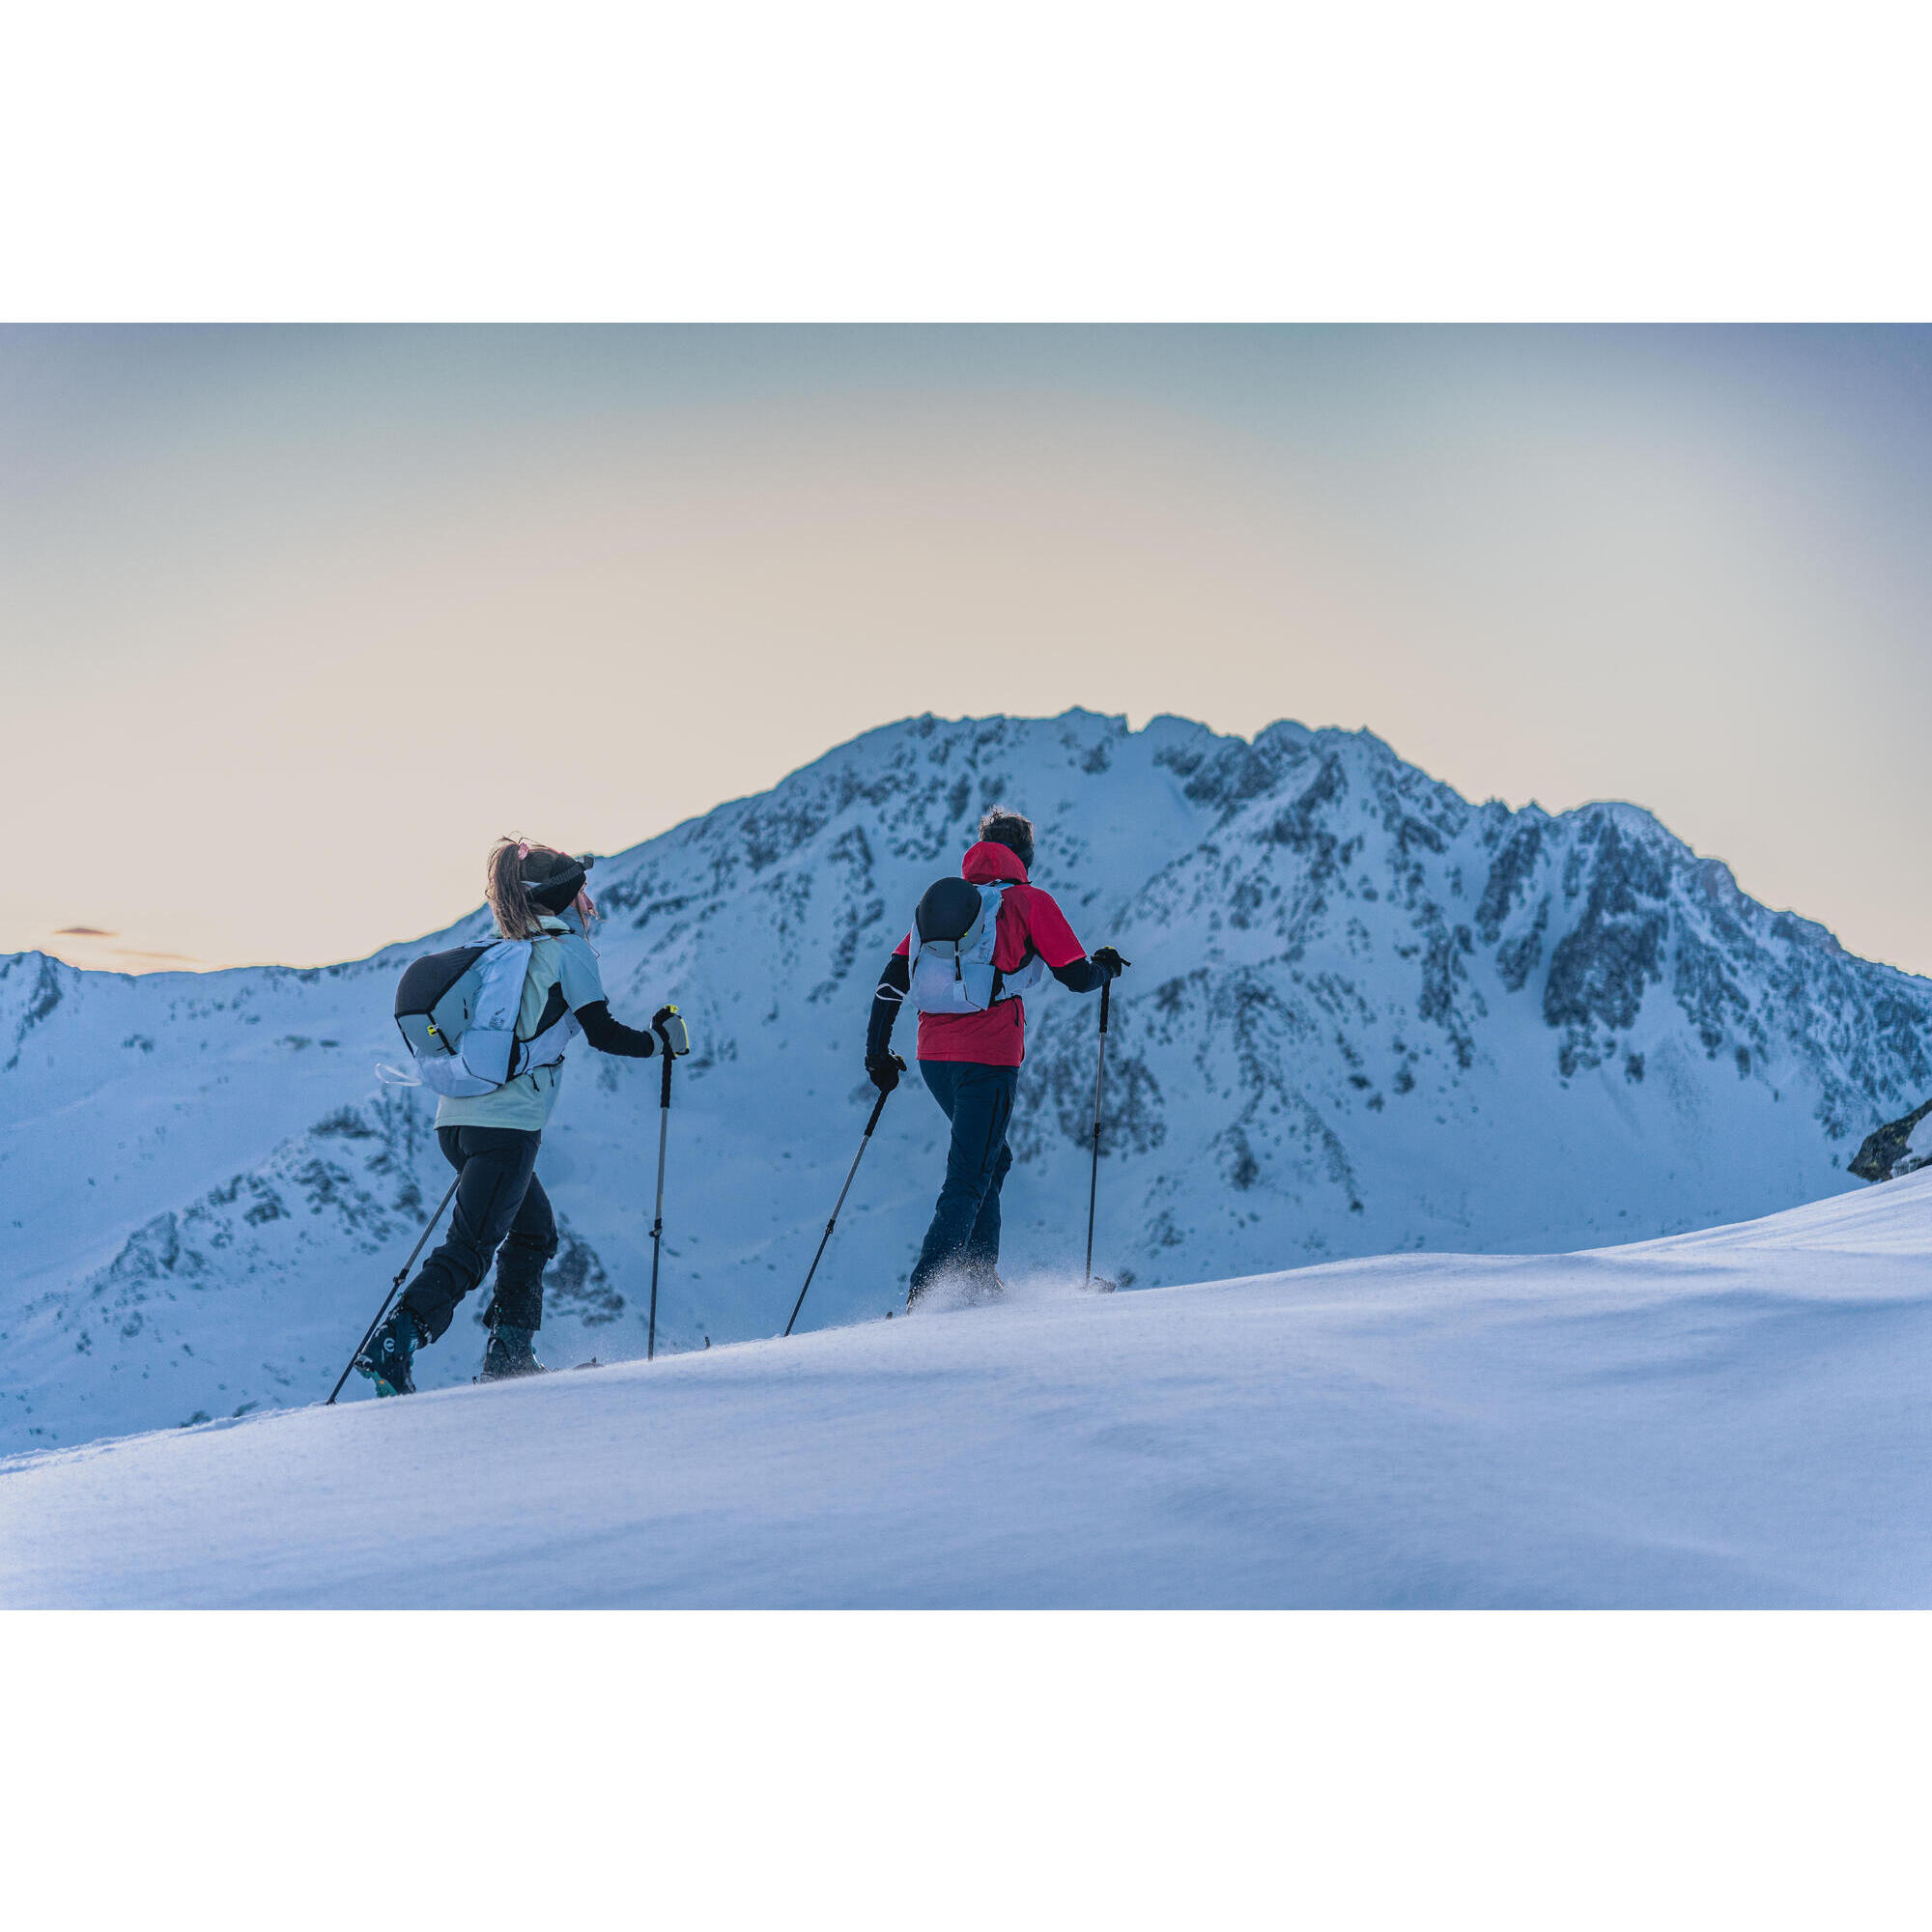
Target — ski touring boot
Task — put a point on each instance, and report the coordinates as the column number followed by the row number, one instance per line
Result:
column 982, row 1287
column 957, row 1288
column 510, row 1352
column 390, row 1355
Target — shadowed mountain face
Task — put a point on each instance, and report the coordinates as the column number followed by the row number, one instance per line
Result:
column 1364, row 1015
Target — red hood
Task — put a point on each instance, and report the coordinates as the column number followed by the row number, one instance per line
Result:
column 991, row 865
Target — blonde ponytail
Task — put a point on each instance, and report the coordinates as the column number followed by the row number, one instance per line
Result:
column 503, row 887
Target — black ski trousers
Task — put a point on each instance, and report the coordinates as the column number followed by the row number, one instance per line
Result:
column 502, row 1210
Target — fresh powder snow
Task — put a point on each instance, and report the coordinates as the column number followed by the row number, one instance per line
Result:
column 1729, row 1418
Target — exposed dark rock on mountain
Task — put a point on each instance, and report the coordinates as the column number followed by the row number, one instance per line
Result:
column 1887, row 1152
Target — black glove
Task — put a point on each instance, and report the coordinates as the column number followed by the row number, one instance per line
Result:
column 669, row 1027
column 1109, row 960
column 885, row 1070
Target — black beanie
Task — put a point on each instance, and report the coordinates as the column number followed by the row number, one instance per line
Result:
column 554, row 879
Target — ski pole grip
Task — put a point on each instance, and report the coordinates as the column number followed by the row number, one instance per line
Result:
column 663, row 1091
column 674, row 1035
column 1106, row 999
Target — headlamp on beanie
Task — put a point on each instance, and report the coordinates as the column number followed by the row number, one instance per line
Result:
column 553, row 880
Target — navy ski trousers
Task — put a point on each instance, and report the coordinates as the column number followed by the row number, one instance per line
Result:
column 964, row 1238
column 501, row 1211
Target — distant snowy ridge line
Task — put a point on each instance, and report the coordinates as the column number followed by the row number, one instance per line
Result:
column 375, row 1211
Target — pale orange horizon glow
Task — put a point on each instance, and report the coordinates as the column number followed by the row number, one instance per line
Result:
column 290, row 642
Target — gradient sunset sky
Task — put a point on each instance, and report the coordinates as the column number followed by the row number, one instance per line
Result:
column 295, row 621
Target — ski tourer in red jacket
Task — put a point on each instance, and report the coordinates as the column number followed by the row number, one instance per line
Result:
column 971, row 1061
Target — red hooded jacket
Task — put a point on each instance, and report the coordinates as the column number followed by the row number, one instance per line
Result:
column 1029, row 920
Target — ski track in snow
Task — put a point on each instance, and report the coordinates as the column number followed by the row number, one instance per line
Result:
column 1730, row 1418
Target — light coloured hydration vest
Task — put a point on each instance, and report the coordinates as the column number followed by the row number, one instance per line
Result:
column 957, row 975
column 457, row 1012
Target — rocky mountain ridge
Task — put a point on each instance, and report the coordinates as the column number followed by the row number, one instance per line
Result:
column 1364, row 1015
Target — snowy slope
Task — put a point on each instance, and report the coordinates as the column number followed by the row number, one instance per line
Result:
column 1365, row 1016
column 1728, row 1418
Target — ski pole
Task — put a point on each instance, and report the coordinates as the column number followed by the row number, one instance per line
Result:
column 674, row 1040
column 878, row 1108
column 1100, row 1080
column 657, row 1226
column 402, row 1275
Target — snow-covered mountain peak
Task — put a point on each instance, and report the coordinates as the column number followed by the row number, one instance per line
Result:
column 1364, row 1015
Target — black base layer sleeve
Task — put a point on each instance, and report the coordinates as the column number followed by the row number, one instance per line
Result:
column 1081, row 977
column 608, row 1035
column 895, row 983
